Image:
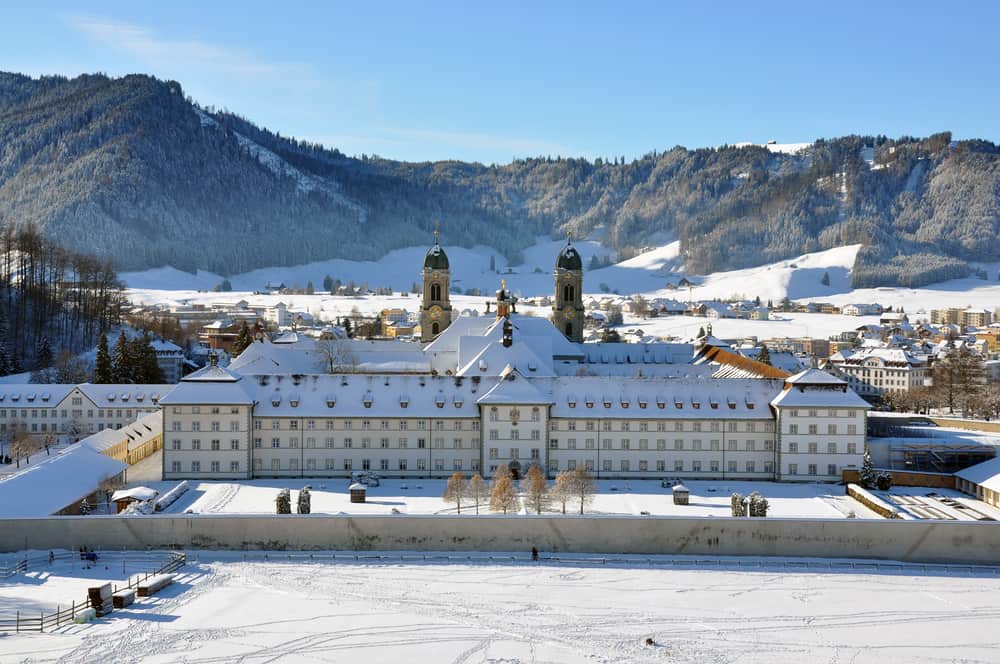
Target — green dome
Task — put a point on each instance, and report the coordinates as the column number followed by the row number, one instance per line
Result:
column 569, row 258
column 436, row 259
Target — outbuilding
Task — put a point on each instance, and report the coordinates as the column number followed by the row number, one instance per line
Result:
column 681, row 494
column 358, row 491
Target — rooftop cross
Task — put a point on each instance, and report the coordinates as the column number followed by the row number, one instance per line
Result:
column 436, row 231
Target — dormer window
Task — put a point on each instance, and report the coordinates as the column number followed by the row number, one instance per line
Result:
column 439, row 400
column 125, row 397
column 404, row 401
column 678, row 404
column 46, row 397
column 155, row 398
column 31, row 397
column 367, row 399
column 625, row 402
column 458, row 401
column 294, row 401
column 331, row 401
column 275, row 401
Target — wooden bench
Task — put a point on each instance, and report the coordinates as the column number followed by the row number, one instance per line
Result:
column 123, row 598
column 154, row 584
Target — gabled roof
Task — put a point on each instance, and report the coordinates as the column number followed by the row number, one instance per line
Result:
column 814, row 377
column 494, row 357
column 514, row 388
column 985, row 474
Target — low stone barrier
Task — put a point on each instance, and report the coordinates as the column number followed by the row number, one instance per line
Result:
column 911, row 541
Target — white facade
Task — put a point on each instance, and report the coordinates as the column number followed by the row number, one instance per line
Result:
column 281, row 425
column 70, row 412
column 874, row 371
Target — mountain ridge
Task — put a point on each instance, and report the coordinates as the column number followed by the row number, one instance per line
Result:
column 131, row 169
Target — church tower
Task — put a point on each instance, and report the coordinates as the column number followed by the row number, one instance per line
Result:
column 567, row 306
column 435, row 309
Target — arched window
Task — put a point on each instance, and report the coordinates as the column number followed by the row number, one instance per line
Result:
column 568, row 293
column 569, row 329
column 435, row 291
column 435, row 328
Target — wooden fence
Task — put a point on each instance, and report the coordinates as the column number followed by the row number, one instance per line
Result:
column 62, row 616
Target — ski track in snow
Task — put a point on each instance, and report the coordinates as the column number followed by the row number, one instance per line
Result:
column 226, row 610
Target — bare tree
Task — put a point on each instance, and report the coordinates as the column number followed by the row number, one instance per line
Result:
column 476, row 489
column 562, row 492
column 456, row 490
column 583, row 486
column 23, row 445
column 336, row 356
column 503, row 494
column 536, row 489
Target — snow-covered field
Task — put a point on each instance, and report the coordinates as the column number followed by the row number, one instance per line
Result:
column 626, row 497
column 711, row 611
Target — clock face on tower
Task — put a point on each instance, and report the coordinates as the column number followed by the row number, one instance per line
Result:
column 435, row 312
column 568, row 311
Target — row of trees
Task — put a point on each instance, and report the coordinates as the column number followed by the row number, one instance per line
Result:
column 958, row 384
column 571, row 487
column 50, row 298
column 131, row 361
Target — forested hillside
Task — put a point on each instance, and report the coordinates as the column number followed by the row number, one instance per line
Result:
column 132, row 170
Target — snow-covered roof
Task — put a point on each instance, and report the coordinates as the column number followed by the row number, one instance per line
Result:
column 365, row 396
column 985, row 474
column 145, row 428
column 126, row 396
column 494, row 356
column 649, row 398
column 210, row 385
column 310, row 356
column 49, row 484
column 514, row 388
column 28, row 395
column 624, row 353
column 814, row 377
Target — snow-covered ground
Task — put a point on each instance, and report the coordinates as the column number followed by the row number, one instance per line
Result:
column 649, row 273
column 623, row 497
column 712, row 611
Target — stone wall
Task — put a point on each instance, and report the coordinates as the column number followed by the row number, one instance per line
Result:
column 913, row 541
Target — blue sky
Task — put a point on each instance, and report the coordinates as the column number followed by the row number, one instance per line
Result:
column 490, row 81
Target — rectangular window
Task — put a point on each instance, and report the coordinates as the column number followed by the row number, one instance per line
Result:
column 234, row 466
column 366, row 464
column 661, row 465
column 175, row 466
column 275, row 442
column 793, row 429
column 195, row 444
column 831, row 469
column 793, row 469
column 812, row 469
column 176, row 444
column 813, row 448
column 607, row 465
column 831, row 448
column 678, row 465
column 196, row 466
column 852, row 448
column 793, row 448
column 348, row 464
column 713, row 466
column 751, row 467
column 624, row 466
column 732, row 466
column 383, row 464
column 812, row 429
column 731, row 445
column 852, row 429
column 402, row 464
column 768, row 467
column 214, row 466
column 695, row 466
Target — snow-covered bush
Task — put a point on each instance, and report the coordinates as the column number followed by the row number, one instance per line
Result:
column 736, row 502
column 305, row 501
column 283, row 502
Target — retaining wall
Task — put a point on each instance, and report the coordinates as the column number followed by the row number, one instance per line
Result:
column 912, row 541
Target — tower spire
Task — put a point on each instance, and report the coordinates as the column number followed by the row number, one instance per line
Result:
column 437, row 231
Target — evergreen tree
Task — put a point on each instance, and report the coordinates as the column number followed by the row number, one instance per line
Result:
column 764, row 357
column 825, row 279
column 244, row 338
column 121, row 360
column 493, row 264
column 868, row 477
column 148, row 369
column 43, row 354
column 310, row 289
column 701, row 332
column 103, row 370
column 4, row 360
column 328, row 283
